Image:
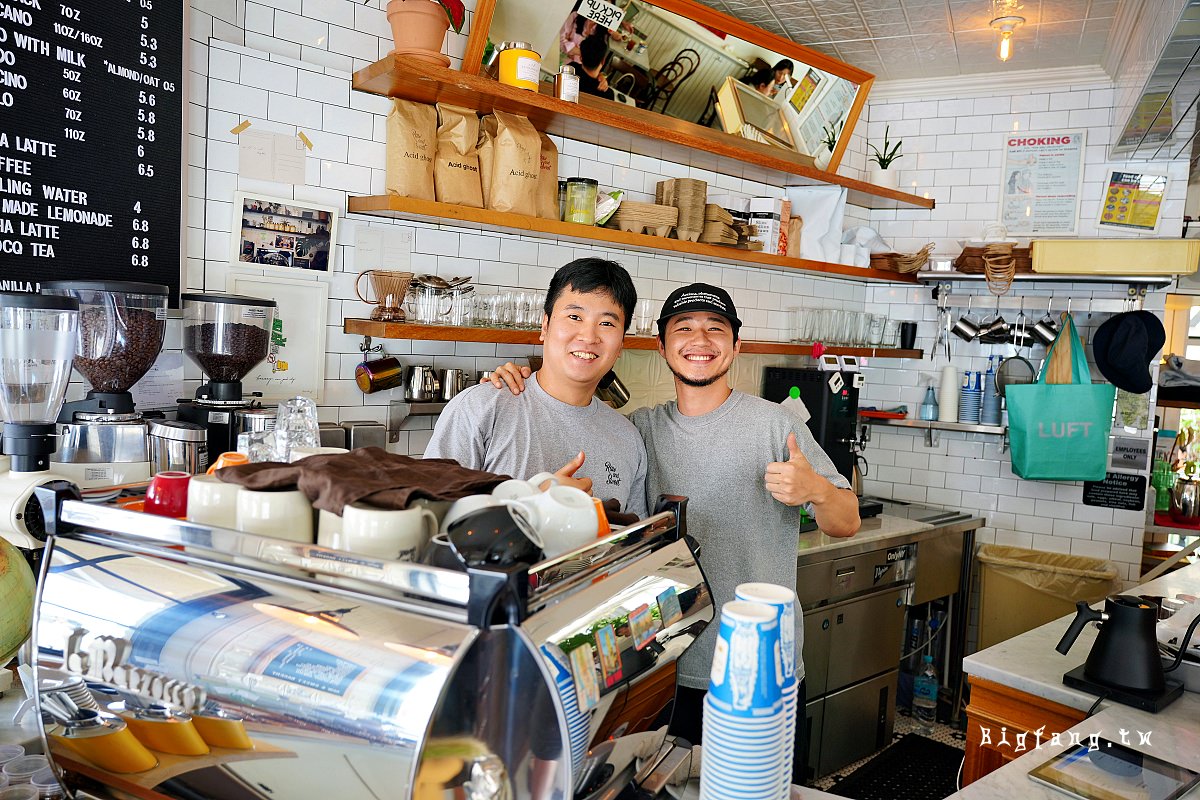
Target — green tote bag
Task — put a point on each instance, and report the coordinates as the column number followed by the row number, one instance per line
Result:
column 1059, row 432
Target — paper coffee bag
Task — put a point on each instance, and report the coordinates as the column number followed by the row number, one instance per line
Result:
column 456, row 168
column 515, row 155
column 547, row 199
column 411, row 149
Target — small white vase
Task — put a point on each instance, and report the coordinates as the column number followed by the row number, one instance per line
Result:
column 885, row 178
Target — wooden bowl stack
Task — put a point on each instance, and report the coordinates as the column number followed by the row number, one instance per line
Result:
column 689, row 195
column 635, row 217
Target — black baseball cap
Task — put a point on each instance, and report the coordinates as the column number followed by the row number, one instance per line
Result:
column 699, row 297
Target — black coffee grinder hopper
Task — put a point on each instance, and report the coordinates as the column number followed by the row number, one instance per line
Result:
column 226, row 336
column 1124, row 664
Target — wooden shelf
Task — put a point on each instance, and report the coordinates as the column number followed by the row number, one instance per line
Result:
column 934, row 276
column 431, row 211
column 454, row 333
column 1175, row 403
column 620, row 127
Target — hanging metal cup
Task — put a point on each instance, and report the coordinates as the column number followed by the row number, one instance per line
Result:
column 1020, row 335
column 1045, row 330
column 966, row 328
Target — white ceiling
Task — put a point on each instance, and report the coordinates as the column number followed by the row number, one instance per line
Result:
column 896, row 39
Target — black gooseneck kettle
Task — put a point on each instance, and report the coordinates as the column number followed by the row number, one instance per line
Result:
column 1125, row 654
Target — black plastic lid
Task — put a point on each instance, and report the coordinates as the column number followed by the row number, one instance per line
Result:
column 232, row 299
column 49, row 302
column 128, row 287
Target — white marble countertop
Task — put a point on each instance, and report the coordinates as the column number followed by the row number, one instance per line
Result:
column 1029, row 663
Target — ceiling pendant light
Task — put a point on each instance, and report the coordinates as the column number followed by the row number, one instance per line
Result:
column 1005, row 20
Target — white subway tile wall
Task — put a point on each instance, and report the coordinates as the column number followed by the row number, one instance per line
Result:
column 284, row 65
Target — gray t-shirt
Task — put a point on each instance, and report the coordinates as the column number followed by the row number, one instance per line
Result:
column 491, row 429
column 718, row 461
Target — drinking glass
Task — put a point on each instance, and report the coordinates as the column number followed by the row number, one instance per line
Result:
column 644, row 317
column 295, row 426
column 795, row 324
column 507, row 309
column 891, row 333
column 876, row 323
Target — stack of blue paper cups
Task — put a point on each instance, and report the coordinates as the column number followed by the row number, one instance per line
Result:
column 577, row 720
column 783, row 600
column 745, row 726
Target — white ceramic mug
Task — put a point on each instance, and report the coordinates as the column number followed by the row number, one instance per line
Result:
column 565, row 518
column 515, row 489
column 298, row 453
column 465, row 505
column 329, row 529
column 397, row 534
column 213, row 502
column 281, row 515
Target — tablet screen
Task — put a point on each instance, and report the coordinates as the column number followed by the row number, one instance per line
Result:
column 1111, row 771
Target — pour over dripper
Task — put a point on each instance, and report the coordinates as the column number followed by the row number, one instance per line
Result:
column 390, row 288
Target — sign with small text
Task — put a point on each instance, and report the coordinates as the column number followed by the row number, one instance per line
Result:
column 1130, row 453
column 604, row 14
column 1122, row 492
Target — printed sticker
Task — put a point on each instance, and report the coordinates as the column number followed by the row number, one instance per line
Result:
column 668, row 607
column 583, row 664
column 643, row 626
column 610, row 654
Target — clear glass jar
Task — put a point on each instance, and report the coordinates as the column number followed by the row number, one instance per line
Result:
column 581, row 201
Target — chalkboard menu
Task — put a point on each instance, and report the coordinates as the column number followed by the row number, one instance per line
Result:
column 91, row 125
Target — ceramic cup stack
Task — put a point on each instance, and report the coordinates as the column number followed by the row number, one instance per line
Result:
column 745, row 730
column 783, row 600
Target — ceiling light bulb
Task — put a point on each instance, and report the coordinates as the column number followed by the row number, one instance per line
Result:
column 1005, row 51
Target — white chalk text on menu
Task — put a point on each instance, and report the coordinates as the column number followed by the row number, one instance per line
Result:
column 91, row 108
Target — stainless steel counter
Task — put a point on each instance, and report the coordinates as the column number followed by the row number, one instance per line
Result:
column 899, row 524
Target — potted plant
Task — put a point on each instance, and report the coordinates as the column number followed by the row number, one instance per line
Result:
column 880, row 174
column 419, row 27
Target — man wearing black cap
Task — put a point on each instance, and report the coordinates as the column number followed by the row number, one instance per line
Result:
column 746, row 464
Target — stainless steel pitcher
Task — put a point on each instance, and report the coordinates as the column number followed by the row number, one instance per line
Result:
column 453, row 381
column 422, row 385
column 1185, row 501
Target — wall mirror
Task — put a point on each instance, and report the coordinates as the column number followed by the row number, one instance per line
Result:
column 685, row 60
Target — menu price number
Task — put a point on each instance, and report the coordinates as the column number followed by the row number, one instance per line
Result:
column 604, row 14
column 140, row 244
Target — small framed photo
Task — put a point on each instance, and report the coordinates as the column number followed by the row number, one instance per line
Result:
column 284, row 234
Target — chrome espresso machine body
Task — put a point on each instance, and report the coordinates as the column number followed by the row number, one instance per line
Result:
column 338, row 675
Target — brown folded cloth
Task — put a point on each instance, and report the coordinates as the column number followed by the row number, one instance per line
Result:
column 368, row 474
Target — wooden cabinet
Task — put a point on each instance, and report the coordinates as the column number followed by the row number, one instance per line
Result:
column 997, row 715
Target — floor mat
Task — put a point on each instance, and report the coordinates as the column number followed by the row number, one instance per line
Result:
column 914, row 768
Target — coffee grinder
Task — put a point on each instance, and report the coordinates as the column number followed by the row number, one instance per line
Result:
column 37, row 344
column 103, row 438
column 226, row 336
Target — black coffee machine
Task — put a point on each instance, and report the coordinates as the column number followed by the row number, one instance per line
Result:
column 832, row 401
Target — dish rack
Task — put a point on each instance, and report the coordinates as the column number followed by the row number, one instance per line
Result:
column 357, row 677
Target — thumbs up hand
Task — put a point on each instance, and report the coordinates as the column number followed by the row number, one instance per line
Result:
column 794, row 482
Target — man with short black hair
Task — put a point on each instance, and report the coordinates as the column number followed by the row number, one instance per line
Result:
column 746, row 464
column 558, row 421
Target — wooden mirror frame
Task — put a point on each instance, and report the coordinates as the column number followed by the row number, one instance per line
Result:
column 481, row 23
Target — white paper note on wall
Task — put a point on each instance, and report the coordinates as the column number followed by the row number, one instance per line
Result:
column 162, row 385
column 269, row 156
column 382, row 248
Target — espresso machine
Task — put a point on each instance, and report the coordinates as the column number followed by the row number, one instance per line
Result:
column 103, row 438
column 831, row 398
column 226, row 336
column 37, row 343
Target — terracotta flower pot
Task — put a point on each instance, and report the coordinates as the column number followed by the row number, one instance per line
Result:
column 419, row 28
